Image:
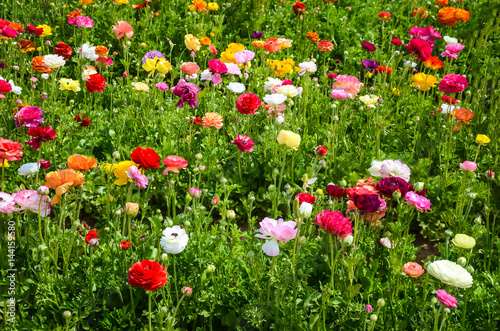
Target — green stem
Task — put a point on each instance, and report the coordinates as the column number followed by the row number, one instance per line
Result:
column 149, row 309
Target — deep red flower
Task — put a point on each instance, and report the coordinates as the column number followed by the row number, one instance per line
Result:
column 83, row 122
column 44, row 164
column 388, row 186
column 32, row 29
column 305, row 197
column 95, row 83
column 336, row 191
column 40, row 135
column 62, row 49
column 5, row 87
column 147, row 158
column 298, row 8
column 420, row 48
column 368, row 46
column 248, row 103
column 449, row 100
column 321, row 151
column 125, row 244
column 196, row 120
column 334, row 223
column 147, row 274
column 396, row 41
column 368, row 203
column 92, row 234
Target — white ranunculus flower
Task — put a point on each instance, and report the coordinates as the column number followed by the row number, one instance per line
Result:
column 236, row 87
column 29, row 169
column 275, row 99
column 15, row 89
column 305, row 210
column 446, row 108
column 374, row 170
column 449, row 40
column 87, row 73
column 87, row 52
column 307, row 67
column 450, row 273
column 396, row 168
column 174, row 240
column 289, row 90
column 272, row 82
column 410, row 64
column 206, row 75
column 45, row 76
column 53, row 61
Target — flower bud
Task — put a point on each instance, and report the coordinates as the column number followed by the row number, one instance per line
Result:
column 490, row 174
column 287, row 187
column 418, row 186
column 396, row 195
column 231, row 214
column 223, row 181
column 471, row 196
column 164, row 257
column 251, row 197
column 348, row 240
column 94, row 242
column 215, row 201
column 462, row 261
column 448, row 233
column 43, row 190
column 132, row 208
column 116, row 155
column 343, row 183
column 373, row 318
column 271, row 188
column 198, row 156
column 67, row 314
column 303, row 240
column 322, row 163
column 434, row 300
column 210, row 269
column 380, row 302
column 478, row 220
column 447, row 310
column 470, row 269
column 305, row 208
column 187, row 291
column 250, row 254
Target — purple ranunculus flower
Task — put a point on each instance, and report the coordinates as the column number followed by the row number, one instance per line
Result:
column 188, row 92
column 2, row 65
column 369, row 203
column 370, row 65
column 388, row 186
column 30, row 117
column 152, row 55
column 368, row 46
column 257, row 34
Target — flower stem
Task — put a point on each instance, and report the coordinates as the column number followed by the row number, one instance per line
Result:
column 149, row 309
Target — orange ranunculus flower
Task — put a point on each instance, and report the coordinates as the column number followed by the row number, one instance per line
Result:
column 212, row 119
column 461, row 15
column 259, row 43
column 442, row 2
column 81, row 162
column 74, row 14
column 420, row 13
column 26, row 46
column 16, row 26
column 37, row 65
column 19, row 107
column 61, row 181
column 446, row 16
column 433, row 63
column 102, row 51
column 86, row 2
column 205, row 41
column 312, row 37
column 464, row 115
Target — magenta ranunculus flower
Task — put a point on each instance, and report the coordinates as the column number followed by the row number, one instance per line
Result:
column 274, row 231
column 339, row 94
column 420, row 48
column 446, row 299
column 452, row 83
column 468, row 166
column 194, row 192
column 217, row 67
column 244, row 143
column 428, row 34
column 367, row 46
column 84, row 22
column 420, row 202
column 334, row 222
column 452, row 50
column 139, row 179
column 162, row 86
column 30, row 117
column 188, row 92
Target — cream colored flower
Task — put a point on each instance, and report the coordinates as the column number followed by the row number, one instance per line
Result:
column 138, row 86
column 369, row 100
column 289, row 139
column 464, row 241
column 450, row 273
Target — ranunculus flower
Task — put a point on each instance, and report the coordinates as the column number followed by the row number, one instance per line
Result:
column 413, row 269
column 396, row 41
column 190, row 68
column 367, row 46
column 482, row 139
column 5, row 87
column 298, row 8
column 248, row 103
column 125, row 244
column 257, row 34
column 83, row 121
column 192, row 43
column 174, row 163
column 450, row 273
column 236, row 87
column 44, row 164
column 41, row 134
column 464, row 241
column 334, row 223
column 147, row 274
column 212, row 119
column 32, row 29
column 305, row 197
column 194, row 192
column 384, row 16
column 420, row 48
column 289, row 138
column 139, row 179
column 122, row 28
column 321, row 151
column 30, row 117
column 388, row 186
column 390, row 168
column 188, row 92
column 10, row 150
column 325, row 46
column 468, row 166
column 349, row 84
column 216, row 66
column 81, row 162
column 62, row 181
column 446, row 299
column 92, row 234
column 64, row 50
column 95, row 83
column 369, row 203
column 244, row 143
column 174, row 240
column 274, row 231
column 370, row 65
column 28, row 169
column 335, row 191
column 418, row 201
column 451, row 83
column 146, row 158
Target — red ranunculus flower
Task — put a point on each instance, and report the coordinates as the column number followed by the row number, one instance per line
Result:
column 41, row 134
column 388, row 186
column 5, row 87
column 305, row 197
column 449, row 100
column 32, row 29
column 62, row 49
column 125, row 244
column 10, row 150
column 92, row 234
column 334, row 223
column 396, row 41
column 321, row 151
column 83, row 122
column 368, row 46
column 298, row 8
column 420, row 48
column 196, row 120
column 244, row 143
column 95, row 83
column 384, row 16
column 44, row 164
column 336, row 191
column 147, row 274
column 248, row 103
column 147, row 158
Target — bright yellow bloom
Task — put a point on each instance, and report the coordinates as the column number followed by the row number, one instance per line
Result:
column 158, row 64
column 69, row 85
column 163, row 66
column 47, row 30
column 141, row 87
column 213, row 6
column 482, row 139
column 121, row 2
column 120, row 172
column 281, row 68
column 228, row 55
column 4, row 164
column 423, row 82
column 86, row 2
column 396, row 91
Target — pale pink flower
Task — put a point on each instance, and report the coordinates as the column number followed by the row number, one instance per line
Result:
column 420, row 202
column 233, row 69
column 387, row 242
column 274, row 231
column 446, row 299
column 7, row 203
column 30, row 200
column 339, row 94
column 122, row 28
column 139, row 179
column 468, row 166
column 349, row 84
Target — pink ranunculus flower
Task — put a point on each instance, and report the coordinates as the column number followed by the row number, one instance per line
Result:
column 194, row 192
column 30, row 117
column 139, row 179
column 390, row 168
column 454, row 48
column 122, row 28
column 7, row 203
column 453, row 56
column 418, row 201
column 162, row 86
column 217, row 67
column 84, row 22
column 468, row 166
column 446, row 299
column 349, row 84
column 452, row 83
column 339, row 94
column 244, row 143
column 174, row 163
column 32, row 201
column 233, row 69
column 274, row 231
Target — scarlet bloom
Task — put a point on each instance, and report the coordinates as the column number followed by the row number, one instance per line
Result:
column 147, row 274
column 321, row 151
column 81, row 162
column 384, row 16
column 244, row 143
column 95, row 83
column 83, row 122
column 298, row 8
column 92, row 234
column 325, row 46
column 433, row 63
column 196, row 120
column 383, row 70
column 5, row 87
column 31, row 29
column 62, row 49
column 368, row 46
column 334, row 223
column 336, row 191
column 41, row 134
column 388, row 186
column 420, row 48
column 147, row 158
column 10, row 150
column 449, row 100
column 396, row 41
column 125, row 244
column 305, row 197
column 174, row 163
column 248, row 103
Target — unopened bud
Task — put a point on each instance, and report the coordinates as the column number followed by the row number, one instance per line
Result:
column 210, row 269
column 380, row 302
column 462, row 261
column 373, row 318
column 187, row 291
column 67, row 314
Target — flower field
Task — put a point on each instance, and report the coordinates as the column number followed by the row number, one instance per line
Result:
column 249, row 165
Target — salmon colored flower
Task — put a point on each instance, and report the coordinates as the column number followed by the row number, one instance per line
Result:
column 62, row 181
column 190, row 68
column 122, row 28
column 413, row 269
column 81, row 162
column 10, row 150
column 212, row 119
column 174, row 163
column 325, row 46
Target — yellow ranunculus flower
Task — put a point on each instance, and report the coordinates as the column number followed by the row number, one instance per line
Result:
column 163, row 66
column 120, row 172
column 482, row 139
column 192, row 43
column 138, row 86
column 69, row 85
column 396, row 91
column 228, row 55
column 150, row 64
column 289, row 138
column 369, row 100
column 47, row 30
column 213, row 6
column 424, row 82
column 121, row 2
column 4, row 164
column 464, row 241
